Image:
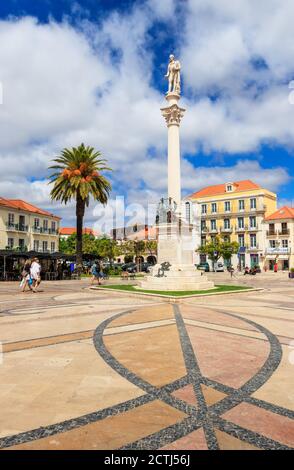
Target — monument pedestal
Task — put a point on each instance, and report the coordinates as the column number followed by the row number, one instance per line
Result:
column 180, row 277
column 175, row 248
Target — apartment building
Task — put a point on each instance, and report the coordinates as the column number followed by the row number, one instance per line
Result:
column 279, row 239
column 25, row 227
column 235, row 211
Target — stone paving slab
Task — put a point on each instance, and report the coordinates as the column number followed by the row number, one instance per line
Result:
column 86, row 370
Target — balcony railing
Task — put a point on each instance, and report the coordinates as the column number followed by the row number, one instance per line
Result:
column 271, row 233
column 253, row 248
column 278, row 250
column 226, row 229
column 252, row 228
column 285, row 231
column 241, row 229
column 42, row 230
column 17, row 227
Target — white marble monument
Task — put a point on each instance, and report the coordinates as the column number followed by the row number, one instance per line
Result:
column 175, row 239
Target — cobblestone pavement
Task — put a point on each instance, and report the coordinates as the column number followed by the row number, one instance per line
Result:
column 84, row 369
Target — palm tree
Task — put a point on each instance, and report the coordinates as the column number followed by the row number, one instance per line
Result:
column 78, row 176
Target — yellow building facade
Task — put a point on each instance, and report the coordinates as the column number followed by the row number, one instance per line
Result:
column 25, row 227
column 235, row 211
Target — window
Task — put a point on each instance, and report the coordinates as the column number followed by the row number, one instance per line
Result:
column 36, row 223
column 45, row 246
column 10, row 243
column 273, row 243
column 253, row 241
column 21, row 243
column 241, row 205
column 241, row 240
column 188, row 212
column 203, row 241
column 45, row 224
column 227, row 206
column 10, row 219
column 285, row 243
column 227, row 223
column 204, row 209
column 203, row 225
column 252, row 222
column 271, row 228
column 229, row 188
column 213, row 208
column 240, row 222
column 284, row 228
column 52, row 247
column 213, row 224
column 253, row 203
column 36, row 245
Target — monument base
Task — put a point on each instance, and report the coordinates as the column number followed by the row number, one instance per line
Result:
column 179, row 277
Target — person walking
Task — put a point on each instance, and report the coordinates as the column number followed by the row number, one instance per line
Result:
column 26, row 278
column 35, row 273
column 276, row 267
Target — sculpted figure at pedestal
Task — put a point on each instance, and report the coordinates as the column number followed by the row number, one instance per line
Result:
column 173, row 75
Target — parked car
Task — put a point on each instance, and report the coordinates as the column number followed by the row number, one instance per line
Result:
column 133, row 267
column 219, row 267
column 129, row 267
column 203, row 267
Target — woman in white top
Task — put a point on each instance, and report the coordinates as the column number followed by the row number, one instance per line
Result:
column 36, row 274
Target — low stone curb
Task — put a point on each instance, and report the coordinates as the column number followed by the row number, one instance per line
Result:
column 175, row 299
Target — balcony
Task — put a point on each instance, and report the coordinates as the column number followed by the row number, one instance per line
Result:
column 284, row 232
column 253, row 248
column 278, row 250
column 226, row 229
column 45, row 231
column 16, row 227
column 241, row 229
column 271, row 233
column 253, row 229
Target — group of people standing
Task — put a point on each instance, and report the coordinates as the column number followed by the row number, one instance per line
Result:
column 31, row 275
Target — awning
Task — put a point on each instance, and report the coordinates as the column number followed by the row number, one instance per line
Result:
column 271, row 257
column 283, row 257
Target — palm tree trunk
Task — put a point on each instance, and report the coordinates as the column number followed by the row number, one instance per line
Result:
column 80, row 211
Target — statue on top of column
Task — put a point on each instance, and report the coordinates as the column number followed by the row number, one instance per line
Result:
column 173, row 75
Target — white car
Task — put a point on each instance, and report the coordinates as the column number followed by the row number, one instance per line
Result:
column 219, row 268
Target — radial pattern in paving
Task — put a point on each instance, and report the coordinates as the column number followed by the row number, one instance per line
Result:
column 175, row 377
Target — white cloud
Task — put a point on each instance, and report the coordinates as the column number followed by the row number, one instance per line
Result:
column 63, row 86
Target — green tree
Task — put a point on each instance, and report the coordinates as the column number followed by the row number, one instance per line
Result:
column 218, row 248
column 68, row 245
column 107, row 248
column 151, row 247
column 77, row 175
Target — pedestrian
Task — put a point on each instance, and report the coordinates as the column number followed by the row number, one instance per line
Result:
column 95, row 273
column 26, row 278
column 276, row 267
column 231, row 271
column 35, row 273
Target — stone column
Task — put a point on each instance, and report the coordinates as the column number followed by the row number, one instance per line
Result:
column 173, row 114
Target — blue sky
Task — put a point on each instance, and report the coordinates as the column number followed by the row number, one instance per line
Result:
column 93, row 71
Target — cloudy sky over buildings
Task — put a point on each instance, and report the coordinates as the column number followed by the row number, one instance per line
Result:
column 93, row 71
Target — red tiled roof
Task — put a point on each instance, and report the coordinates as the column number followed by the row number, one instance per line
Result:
column 19, row 204
column 71, row 230
column 282, row 213
column 217, row 189
column 149, row 234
